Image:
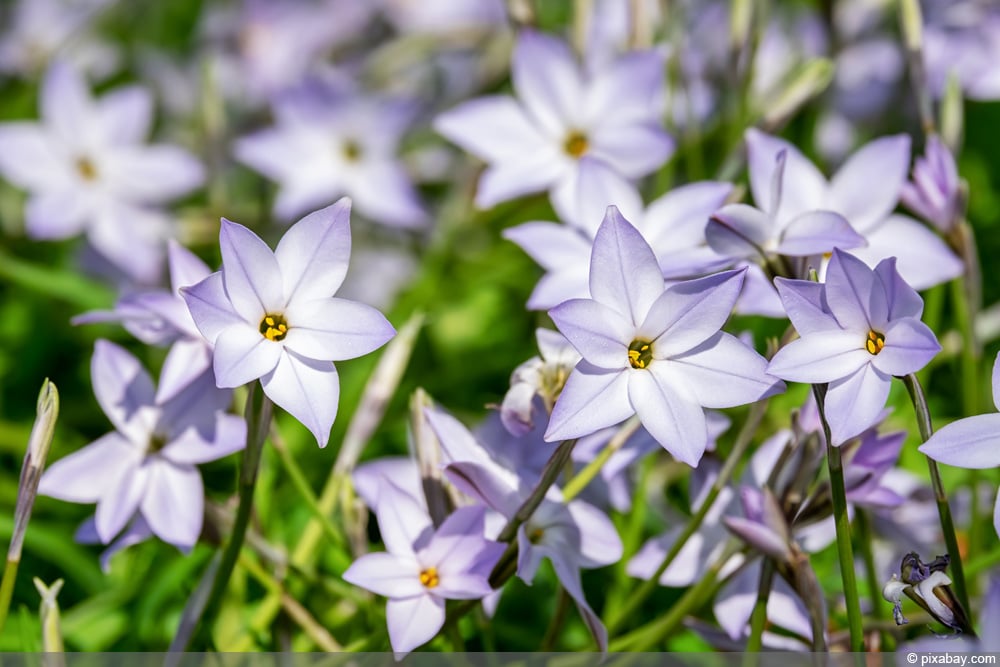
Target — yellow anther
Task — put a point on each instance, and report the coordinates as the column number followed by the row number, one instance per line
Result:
column 576, row 144
column 640, row 353
column 536, row 535
column 429, row 577
column 85, row 167
column 875, row 342
column 273, row 327
column 351, row 150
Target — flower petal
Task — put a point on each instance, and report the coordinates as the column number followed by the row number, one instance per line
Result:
column 187, row 359
column 511, row 132
column 552, row 245
column 314, row 253
column 850, row 289
column 583, row 194
column 805, row 303
column 739, row 231
column 84, row 475
column 547, row 80
column 242, row 354
column 803, row 187
column 599, row 333
column 386, row 574
column 210, row 307
column 690, row 312
column 633, row 149
column 723, row 372
column 569, row 577
column 669, row 411
column 31, row 157
column 483, row 482
column 307, row 389
column 973, row 442
column 120, row 500
column 923, row 261
column 901, row 299
column 854, row 403
column 66, row 105
column 599, row 541
column 531, row 171
column 593, row 398
column 884, row 161
column 173, row 504
column 124, row 391
column 820, row 357
column 331, row 329
column 909, row 346
column 624, row 274
column 190, row 448
column 250, row 272
column 817, row 232
column 154, row 174
column 413, row 621
column 125, row 114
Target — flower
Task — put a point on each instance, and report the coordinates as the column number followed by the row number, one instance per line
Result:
column 565, row 127
column 422, row 567
column 148, row 464
column 928, row 586
column 320, row 149
column 271, row 315
column 856, row 331
column 924, row 259
column 935, row 192
column 652, row 352
column 973, row 442
column 87, row 171
column 542, row 377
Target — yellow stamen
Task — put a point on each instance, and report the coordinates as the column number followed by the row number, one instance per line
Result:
column 85, row 167
column 536, row 535
column 351, row 150
column 273, row 327
column 576, row 144
column 429, row 577
column 640, row 353
column 875, row 342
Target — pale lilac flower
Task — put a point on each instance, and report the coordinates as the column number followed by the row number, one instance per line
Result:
column 973, row 442
column 162, row 318
column 856, row 331
column 673, row 225
column 88, row 171
column 272, row 315
column 564, row 127
column 652, row 352
column 542, row 376
column 443, row 17
column 325, row 146
column 135, row 532
column 422, row 567
column 924, row 259
column 934, row 194
column 148, row 465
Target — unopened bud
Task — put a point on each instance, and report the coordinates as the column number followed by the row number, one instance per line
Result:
column 47, row 412
column 52, row 641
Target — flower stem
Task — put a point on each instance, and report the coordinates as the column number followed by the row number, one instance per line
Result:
column 7, row 588
column 258, row 418
column 862, row 521
column 843, row 524
column 647, row 587
column 553, row 467
column 923, row 415
column 759, row 616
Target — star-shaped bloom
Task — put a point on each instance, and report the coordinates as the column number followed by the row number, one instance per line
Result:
column 973, row 442
column 562, row 122
column 422, row 567
column 88, row 171
column 272, row 315
column 148, row 464
column 652, row 352
column 857, row 330
column 541, row 377
column 924, row 259
column 161, row 317
column 320, row 149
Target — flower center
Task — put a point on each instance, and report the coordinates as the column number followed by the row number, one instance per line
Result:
column 640, row 353
column 156, row 443
column 85, row 167
column 536, row 535
column 273, row 327
column 875, row 342
column 576, row 143
column 429, row 578
column 351, row 150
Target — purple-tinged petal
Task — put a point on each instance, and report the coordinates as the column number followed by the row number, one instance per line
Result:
column 569, row 576
column 850, row 285
column 973, row 442
column 334, row 329
column 120, row 500
column 186, row 361
column 403, row 522
column 385, row 574
column 413, row 621
column 191, row 448
column 457, row 443
column 759, row 296
column 995, row 381
column 739, row 231
column 599, row 541
column 369, row 478
column 555, row 288
column 173, row 503
column 624, row 274
column 817, row 232
column 760, row 537
column 529, row 556
column 923, row 259
column 66, row 104
column 481, row 482
column 626, row 90
column 553, row 246
column 186, row 268
column 632, row 150
column 457, row 542
column 510, row 131
column 803, row 187
column 804, row 301
column 598, row 332
column 84, row 476
column 547, row 80
column 464, row 586
column 884, row 161
column 679, row 217
column 524, row 174
column 210, row 308
column 307, row 389
column 820, row 357
column 125, row 115
column 996, row 526
column 137, row 531
column 592, row 399
column 690, row 312
column 384, row 192
column 242, row 354
column 57, row 214
column 124, row 391
column 855, row 402
column 154, row 174
column 669, row 411
column 902, row 300
column 909, row 346
column 723, row 372
column 32, row 158
column 314, row 253
column 251, row 273
column 583, row 194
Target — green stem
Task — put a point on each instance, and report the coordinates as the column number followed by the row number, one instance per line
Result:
column 258, row 418
column 7, row 589
column 758, row 619
column 862, row 522
column 923, row 415
column 845, row 551
column 551, row 472
column 735, row 456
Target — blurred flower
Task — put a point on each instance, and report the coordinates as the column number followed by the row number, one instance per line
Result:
column 566, row 132
column 148, row 465
column 162, row 318
column 322, row 148
column 87, row 170
column 856, row 331
column 659, row 354
column 436, row 17
column 763, row 525
column 928, row 586
column 934, row 194
column 973, row 442
column 272, row 315
column 924, row 259
column 963, row 38
column 542, row 376
column 422, row 567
